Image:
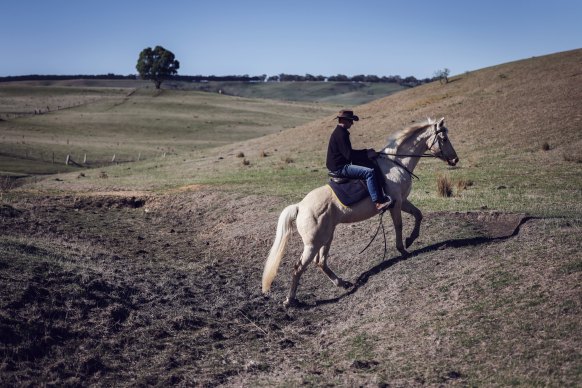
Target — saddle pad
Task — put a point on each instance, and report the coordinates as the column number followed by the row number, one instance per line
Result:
column 350, row 192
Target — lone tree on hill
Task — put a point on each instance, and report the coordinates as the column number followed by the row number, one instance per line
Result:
column 157, row 64
column 442, row 75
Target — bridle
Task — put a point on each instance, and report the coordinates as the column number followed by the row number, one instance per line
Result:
column 437, row 138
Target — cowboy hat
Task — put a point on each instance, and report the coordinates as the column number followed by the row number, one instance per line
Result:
column 347, row 114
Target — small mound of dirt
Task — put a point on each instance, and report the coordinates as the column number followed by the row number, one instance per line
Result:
column 9, row 212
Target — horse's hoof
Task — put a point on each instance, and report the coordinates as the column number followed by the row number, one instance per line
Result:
column 290, row 303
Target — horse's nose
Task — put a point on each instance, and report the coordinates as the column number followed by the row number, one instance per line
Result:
column 453, row 162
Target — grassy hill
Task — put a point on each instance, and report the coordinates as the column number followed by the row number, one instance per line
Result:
column 515, row 126
column 148, row 273
column 339, row 93
column 46, row 123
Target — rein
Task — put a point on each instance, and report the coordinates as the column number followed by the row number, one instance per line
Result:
column 386, row 155
column 380, row 224
column 396, row 162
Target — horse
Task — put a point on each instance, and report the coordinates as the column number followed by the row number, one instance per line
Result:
column 320, row 211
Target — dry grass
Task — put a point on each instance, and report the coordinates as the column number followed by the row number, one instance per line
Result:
column 100, row 281
column 6, row 184
column 164, row 290
column 444, row 186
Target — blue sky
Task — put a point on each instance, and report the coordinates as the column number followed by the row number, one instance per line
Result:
column 254, row 37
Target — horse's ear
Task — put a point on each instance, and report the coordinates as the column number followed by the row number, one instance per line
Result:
column 441, row 122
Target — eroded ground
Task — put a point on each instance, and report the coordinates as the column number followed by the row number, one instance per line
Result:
column 158, row 290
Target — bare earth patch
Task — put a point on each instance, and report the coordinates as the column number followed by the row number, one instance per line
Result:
column 165, row 289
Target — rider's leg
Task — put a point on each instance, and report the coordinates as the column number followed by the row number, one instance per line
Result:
column 365, row 173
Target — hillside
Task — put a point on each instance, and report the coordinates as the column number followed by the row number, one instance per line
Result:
column 149, row 273
column 45, row 123
column 500, row 119
column 351, row 93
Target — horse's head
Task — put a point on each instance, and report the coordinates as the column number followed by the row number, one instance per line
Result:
column 440, row 145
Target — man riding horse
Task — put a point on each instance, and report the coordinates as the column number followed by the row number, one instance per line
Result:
column 344, row 162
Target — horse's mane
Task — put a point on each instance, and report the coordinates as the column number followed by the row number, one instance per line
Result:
column 400, row 137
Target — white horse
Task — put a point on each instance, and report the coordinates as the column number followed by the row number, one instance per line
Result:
column 318, row 214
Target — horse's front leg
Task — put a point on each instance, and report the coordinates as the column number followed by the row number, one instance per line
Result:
column 322, row 264
column 414, row 211
column 396, row 213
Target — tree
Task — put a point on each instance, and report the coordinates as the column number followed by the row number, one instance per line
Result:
column 157, row 64
column 442, row 75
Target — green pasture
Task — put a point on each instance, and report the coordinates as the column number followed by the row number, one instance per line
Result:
column 553, row 191
column 96, row 124
column 174, row 138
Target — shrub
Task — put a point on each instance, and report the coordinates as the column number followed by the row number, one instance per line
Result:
column 444, row 186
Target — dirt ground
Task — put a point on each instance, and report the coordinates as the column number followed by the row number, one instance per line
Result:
column 165, row 290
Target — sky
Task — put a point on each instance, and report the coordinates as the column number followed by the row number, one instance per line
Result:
column 256, row 37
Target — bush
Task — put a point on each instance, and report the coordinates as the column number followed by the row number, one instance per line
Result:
column 444, row 186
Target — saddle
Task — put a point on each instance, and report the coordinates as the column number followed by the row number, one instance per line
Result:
column 348, row 191
column 338, row 179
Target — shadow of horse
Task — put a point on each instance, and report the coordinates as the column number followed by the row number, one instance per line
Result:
column 385, row 264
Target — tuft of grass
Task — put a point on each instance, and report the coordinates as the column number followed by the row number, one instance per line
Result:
column 444, row 186
column 461, row 185
column 7, row 184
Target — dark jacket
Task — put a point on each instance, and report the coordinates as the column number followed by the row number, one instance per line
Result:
column 340, row 152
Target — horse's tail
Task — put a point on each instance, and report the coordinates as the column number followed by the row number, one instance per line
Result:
column 278, row 249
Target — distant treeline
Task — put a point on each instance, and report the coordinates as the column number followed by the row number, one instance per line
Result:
column 408, row 81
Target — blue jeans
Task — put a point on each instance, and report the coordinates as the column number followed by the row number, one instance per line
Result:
column 364, row 173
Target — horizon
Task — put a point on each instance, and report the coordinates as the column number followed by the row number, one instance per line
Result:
column 258, row 37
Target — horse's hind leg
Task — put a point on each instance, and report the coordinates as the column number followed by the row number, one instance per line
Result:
column 409, row 208
column 322, row 264
column 309, row 252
